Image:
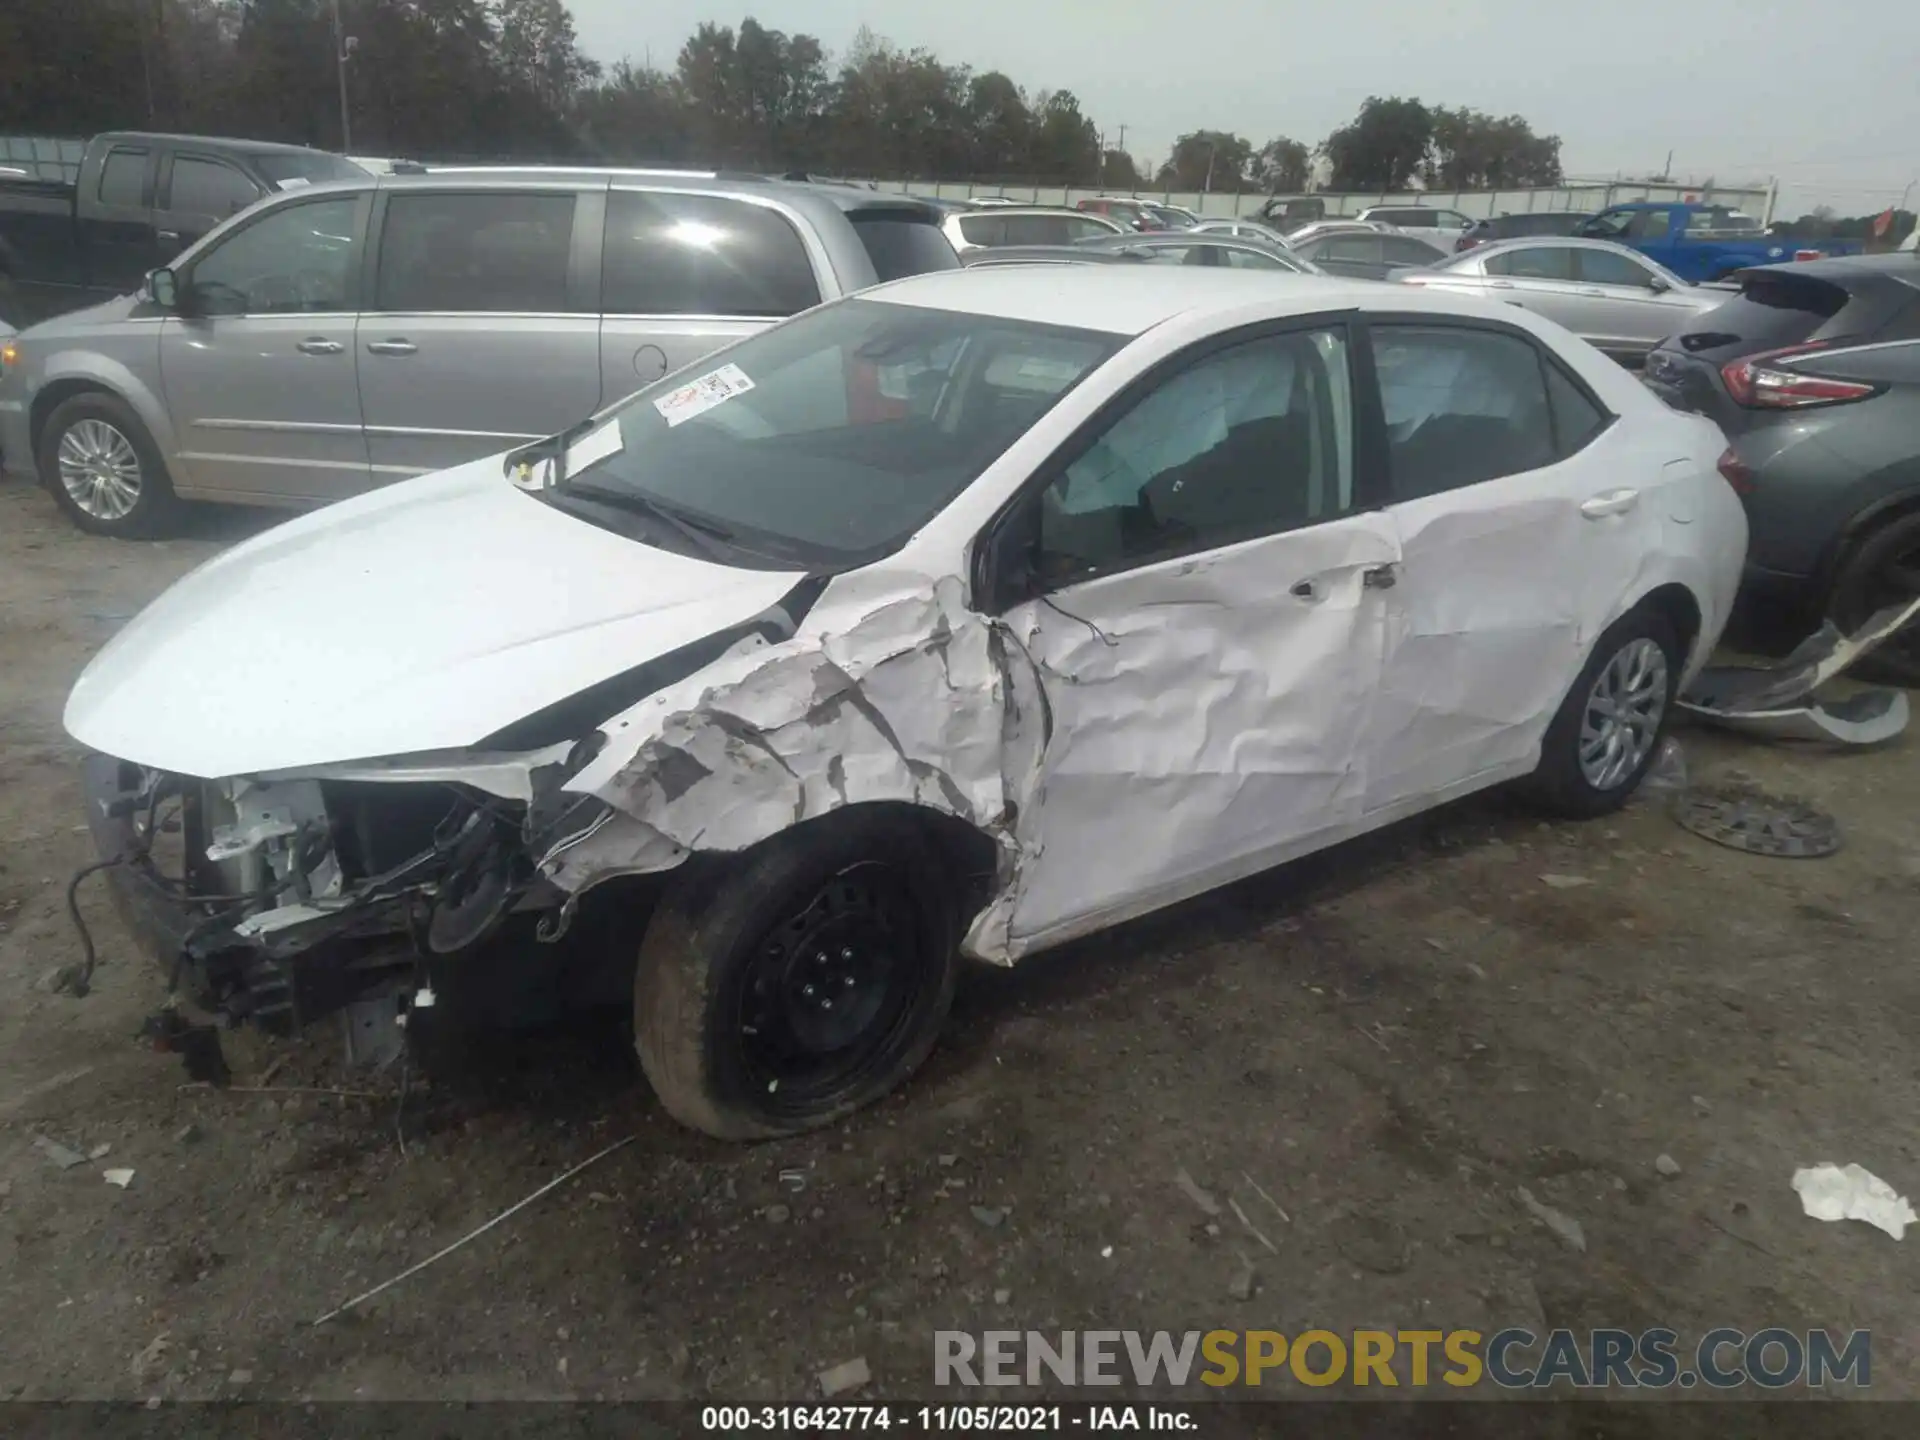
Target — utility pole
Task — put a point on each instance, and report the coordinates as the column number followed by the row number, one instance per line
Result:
column 342, row 48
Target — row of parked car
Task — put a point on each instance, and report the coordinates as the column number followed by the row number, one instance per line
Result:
column 350, row 330
column 968, row 611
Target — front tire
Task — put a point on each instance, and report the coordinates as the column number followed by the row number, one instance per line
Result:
column 1603, row 739
column 104, row 469
column 782, row 990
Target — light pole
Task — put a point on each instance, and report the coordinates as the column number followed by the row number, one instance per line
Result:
column 342, row 48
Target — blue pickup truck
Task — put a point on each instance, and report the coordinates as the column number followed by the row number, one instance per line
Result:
column 1703, row 242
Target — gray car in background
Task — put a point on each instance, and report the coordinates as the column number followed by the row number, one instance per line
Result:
column 1185, row 247
column 343, row 336
column 1364, row 253
column 1025, row 225
column 1614, row 298
column 1242, row 228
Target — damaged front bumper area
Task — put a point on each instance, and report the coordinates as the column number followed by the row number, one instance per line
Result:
column 280, row 900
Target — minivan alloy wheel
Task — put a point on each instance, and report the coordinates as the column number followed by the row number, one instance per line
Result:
column 99, row 469
column 1623, row 713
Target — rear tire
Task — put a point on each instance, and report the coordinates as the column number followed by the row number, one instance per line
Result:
column 1868, row 580
column 1606, row 733
column 744, row 962
column 104, row 469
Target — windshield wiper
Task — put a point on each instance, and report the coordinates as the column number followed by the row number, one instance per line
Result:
column 710, row 539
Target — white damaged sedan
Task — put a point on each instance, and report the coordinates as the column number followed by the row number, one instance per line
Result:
column 960, row 618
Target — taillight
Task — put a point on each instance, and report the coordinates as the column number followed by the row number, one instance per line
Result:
column 1800, row 255
column 1737, row 472
column 1757, row 385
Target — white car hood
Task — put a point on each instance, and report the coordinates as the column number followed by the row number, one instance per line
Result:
column 424, row 616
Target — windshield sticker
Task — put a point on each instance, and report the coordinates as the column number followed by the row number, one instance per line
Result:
column 591, row 449
column 292, row 182
column 702, row 395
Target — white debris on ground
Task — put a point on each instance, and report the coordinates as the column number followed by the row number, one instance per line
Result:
column 1834, row 1192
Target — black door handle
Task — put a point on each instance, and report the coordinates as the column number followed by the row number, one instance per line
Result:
column 1303, row 589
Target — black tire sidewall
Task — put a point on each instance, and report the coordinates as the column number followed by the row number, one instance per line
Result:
column 706, row 933
column 1558, row 783
column 1849, row 605
column 155, row 502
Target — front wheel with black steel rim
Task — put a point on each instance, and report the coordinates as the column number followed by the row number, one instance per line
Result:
column 1603, row 739
column 104, row 469
column 1882, row 570
column 807, row 978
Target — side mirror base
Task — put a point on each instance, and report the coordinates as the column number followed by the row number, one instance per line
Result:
column 162, row 289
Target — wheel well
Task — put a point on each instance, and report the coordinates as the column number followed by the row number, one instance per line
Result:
column 1676, row 604
column 1856, row 532
column 970, row 854
column 49, row 399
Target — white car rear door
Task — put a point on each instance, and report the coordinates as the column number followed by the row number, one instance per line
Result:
column 1521, row 522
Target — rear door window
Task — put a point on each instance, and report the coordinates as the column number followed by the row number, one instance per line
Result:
column 1362, row 249
column 1534, row 262
column 902, row 244
column 207, row 187
column 1405, row 250
column 983, row 230
column 1038, row 230
column 678, row 254
column 1603, row 267
column 123, row 178
column 1462, row 406
column 504, row 252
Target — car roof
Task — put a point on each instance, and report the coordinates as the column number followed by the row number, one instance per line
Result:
column 1003, row 210
column 846, row 198
column 1040, row 255
column 843, row 197
column 245, row 147
column 1901, row 266
column 1130, row 300
column 1535, row 242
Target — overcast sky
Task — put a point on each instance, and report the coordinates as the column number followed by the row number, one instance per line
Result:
column 1822, row 95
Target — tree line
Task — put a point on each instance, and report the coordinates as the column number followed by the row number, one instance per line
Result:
column 506, row 79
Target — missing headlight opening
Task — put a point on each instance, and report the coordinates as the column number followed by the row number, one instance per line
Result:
column 300, row 896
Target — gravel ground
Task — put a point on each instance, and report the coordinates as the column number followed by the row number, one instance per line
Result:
column 1389, row 1041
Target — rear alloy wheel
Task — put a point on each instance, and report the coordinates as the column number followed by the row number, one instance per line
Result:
column 1604, row 737
column 1883, row 570
column 104, row 469
column 804, row 980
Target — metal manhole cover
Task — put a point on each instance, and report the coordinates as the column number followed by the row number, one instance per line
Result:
column 1759, row 824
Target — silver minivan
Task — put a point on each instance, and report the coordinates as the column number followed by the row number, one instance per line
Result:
column 344, row 336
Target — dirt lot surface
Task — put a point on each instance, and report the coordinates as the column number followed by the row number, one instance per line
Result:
column 1389, row 1041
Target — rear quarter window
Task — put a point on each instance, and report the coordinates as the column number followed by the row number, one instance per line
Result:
column 1770, row 313
column 901, row 244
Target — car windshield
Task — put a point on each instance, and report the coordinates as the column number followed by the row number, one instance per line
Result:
column 312, row 166
column 827, row 441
